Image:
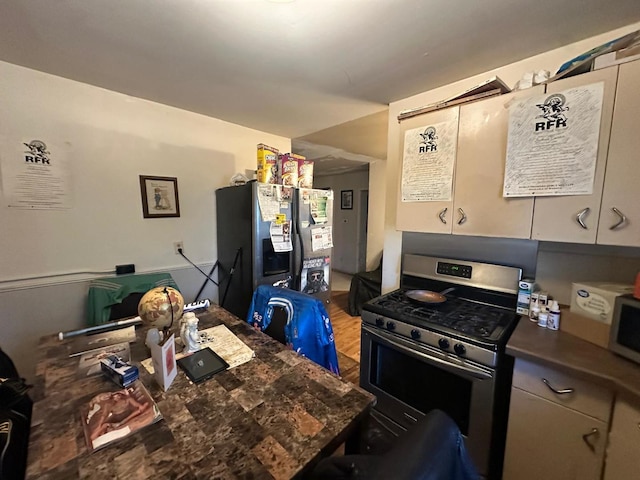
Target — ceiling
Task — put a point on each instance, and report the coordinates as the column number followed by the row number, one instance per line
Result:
column 292, row 68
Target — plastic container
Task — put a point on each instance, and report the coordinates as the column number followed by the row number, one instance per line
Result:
column 553, row 320
column 525, row 287
column 543, row 316
column 534, row 313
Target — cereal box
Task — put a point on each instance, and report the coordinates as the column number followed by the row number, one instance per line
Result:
column 288, row 169
column 267, row 164
column 305, row 173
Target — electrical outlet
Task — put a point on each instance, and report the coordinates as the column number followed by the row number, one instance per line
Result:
column 178, row 246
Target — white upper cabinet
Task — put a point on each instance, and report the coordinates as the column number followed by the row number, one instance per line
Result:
column 432, row 216
column 620, row 213
column 479, row 207
column 574, row 218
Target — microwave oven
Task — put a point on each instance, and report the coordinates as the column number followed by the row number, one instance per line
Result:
column 624, row 338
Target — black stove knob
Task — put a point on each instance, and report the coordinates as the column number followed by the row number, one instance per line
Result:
column 415, row 334
column 380, row 321
column 459, row 349
column 391, row 326
column 444, row 343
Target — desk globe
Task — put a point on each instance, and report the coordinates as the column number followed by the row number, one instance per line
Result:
column 156, row 305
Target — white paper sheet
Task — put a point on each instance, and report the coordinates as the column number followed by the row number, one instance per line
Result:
column 281, row 236
column 269, row 201
column 321, row 238
column 428, row 161
column 552, row 146
column 35, row 175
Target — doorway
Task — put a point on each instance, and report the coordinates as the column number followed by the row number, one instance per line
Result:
column 363, row 216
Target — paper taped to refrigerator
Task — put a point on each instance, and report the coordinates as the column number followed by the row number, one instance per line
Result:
column 319, row 210
column 281, row 236
column 321, row 238
column 268, row 199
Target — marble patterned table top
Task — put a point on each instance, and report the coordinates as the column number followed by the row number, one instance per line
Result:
column 273, row 417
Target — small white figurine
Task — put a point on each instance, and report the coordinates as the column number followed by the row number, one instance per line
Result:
column 189, row 333
column 154, row 337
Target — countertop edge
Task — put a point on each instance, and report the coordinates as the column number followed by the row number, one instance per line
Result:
column 572, row 355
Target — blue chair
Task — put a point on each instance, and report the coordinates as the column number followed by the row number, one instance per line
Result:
column 307, row 327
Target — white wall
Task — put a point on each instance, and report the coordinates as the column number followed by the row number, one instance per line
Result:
column 510, row 74
column 377, row 199
column 109, row 139
column 345, row 222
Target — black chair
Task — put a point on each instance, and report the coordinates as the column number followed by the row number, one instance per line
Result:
column 15, row 420
column 432, row 450
column 364, row 286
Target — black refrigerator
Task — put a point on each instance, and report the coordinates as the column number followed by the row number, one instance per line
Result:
column 274, row 235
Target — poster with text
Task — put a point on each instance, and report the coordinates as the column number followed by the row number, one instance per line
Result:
column 428, row 160
column 35, row 175
column 552, row 144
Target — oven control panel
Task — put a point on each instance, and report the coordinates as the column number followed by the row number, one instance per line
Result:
column 454, row 269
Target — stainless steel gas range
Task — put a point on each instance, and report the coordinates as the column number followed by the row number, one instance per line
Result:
column 416, row 357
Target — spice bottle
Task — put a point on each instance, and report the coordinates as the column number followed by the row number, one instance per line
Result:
column 553, row 321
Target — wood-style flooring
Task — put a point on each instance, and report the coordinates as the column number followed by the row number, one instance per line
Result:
column 346, row 331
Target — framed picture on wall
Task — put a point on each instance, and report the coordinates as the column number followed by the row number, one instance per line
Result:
column 159, row 196
column 346, row 199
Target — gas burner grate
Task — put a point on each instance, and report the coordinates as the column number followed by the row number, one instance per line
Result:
column 471, row 318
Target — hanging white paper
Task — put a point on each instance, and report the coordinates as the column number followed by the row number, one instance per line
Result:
column 35, row 175
column 552, row 145
column 281, row 236
column 269, row 201
column 321, row 238
column 428, row 160
column 318, row 209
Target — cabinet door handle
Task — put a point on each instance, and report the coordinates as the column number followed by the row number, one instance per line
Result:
column 564, row 391
column 442, row 214
column 580, row 217
column 463, row 217
column 622, row 221
column 587, row 437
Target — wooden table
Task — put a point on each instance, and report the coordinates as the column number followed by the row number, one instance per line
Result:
column 273, row 417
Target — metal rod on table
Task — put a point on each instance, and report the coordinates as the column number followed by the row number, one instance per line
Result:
column 100, row 328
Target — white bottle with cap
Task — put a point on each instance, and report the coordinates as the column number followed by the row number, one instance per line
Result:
column 534, row 312
column 553, row 320
column 543, row 317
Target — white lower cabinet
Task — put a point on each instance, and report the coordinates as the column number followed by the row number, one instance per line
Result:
column 557, row 426
column 623, row 450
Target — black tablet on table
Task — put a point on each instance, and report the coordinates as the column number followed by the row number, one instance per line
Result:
column 202, row 365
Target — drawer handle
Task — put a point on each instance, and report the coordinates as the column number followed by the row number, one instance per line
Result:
column 564, row 391
column 442, row 214
column 587, row 436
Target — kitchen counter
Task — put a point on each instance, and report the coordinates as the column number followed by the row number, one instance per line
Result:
column 575, row 356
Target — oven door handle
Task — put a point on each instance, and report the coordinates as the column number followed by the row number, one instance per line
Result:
column 475, row 372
